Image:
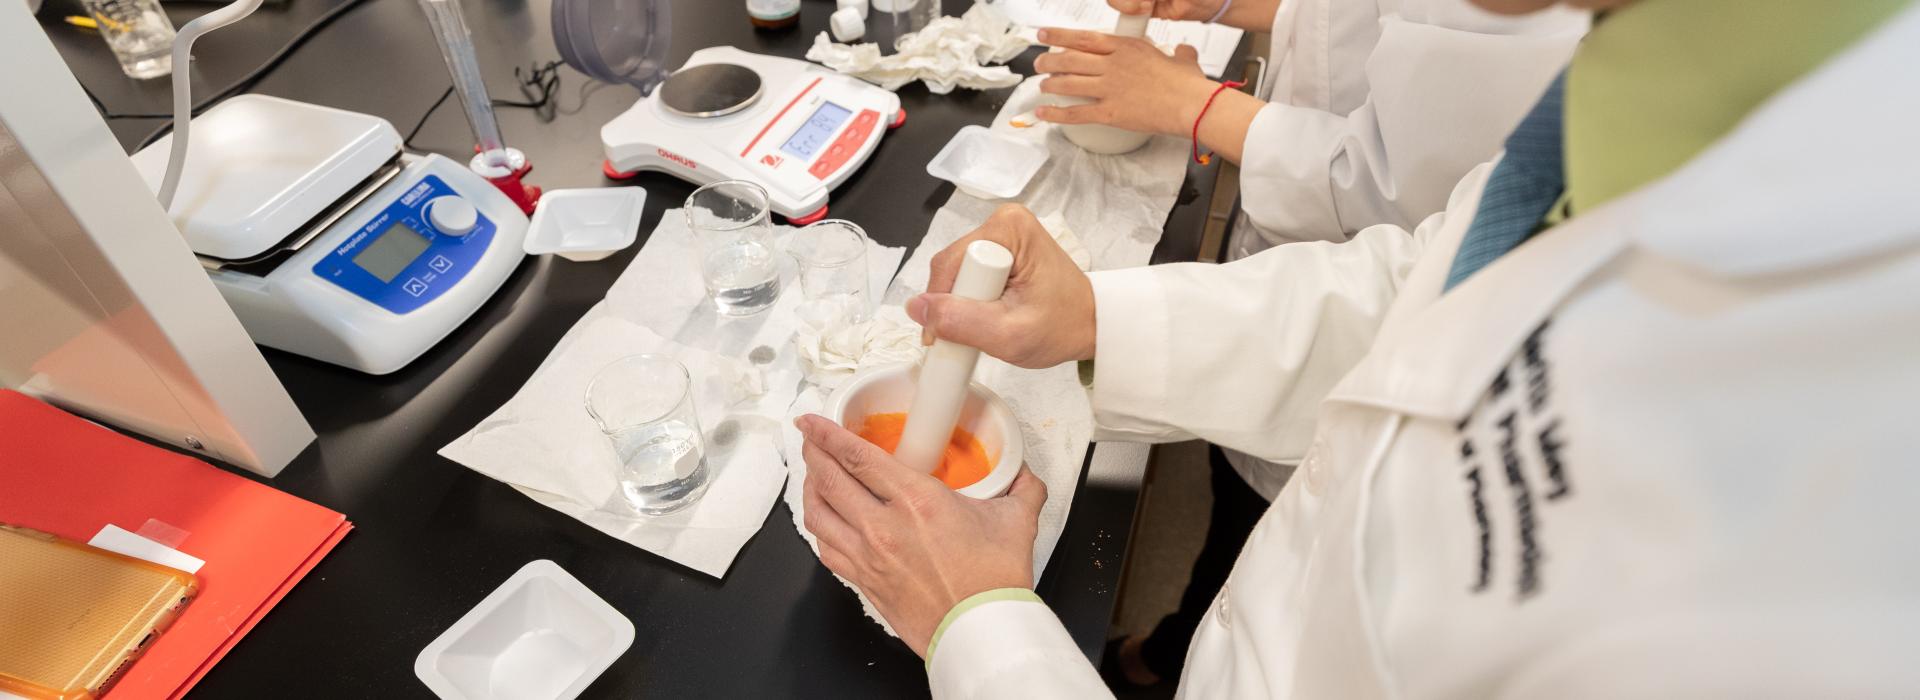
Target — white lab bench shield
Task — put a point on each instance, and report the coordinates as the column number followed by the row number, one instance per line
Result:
column 103, row 308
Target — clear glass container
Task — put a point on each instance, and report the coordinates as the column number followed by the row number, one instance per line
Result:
column 732, row 228
column 139, row 34
column 832, row 257
column 644, row 406
column 908, row 16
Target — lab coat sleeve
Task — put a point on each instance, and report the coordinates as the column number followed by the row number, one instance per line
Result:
column 1241, row 354
column 1445, row 88
column 1010, row 649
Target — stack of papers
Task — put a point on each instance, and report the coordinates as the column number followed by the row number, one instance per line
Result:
column 1214, row 42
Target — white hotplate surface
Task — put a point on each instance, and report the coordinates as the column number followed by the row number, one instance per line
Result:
column 259, row 168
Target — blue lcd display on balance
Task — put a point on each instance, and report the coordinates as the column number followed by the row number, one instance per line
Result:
column 808, row 139
column 398, row 261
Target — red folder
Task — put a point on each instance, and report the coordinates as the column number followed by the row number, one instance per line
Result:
column 64, row 475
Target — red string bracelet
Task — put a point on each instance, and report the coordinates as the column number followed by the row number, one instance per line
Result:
column 1205, row 158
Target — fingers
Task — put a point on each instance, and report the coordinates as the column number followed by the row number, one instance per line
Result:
column 1081, row 114
column 1131, row 7
column 1027, row 490
column 1078, row 40
column 824, row 522
column 871, row 466
column 1072, row 86
column 1004, row 228
column 836, row 487
column 1187, row 54
column 839, row 563
column 1070, row 62
column 977, row 324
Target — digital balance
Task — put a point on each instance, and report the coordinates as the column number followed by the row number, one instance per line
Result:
column 327, row 239
column 793, row 127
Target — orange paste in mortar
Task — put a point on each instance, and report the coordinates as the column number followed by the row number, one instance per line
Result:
column 964, row 462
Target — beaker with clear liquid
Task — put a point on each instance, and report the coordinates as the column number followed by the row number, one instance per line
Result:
column 139, row 34
column 643, row 404
column 732, row 226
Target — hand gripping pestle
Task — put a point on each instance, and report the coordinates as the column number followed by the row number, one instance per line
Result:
column 942, row 389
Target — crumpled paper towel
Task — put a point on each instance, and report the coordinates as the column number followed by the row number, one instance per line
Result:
column 833, row 348
column 750, row 365
column 950, row 52
column 543, row 443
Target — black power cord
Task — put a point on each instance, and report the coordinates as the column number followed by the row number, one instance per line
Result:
column 539, row 84
column 244, row 84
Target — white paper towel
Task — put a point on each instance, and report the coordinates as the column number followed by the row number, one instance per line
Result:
column 746, row 370
column 1108, row 212
column 544, row 444
column 1116, row 206
column 950, row 52
column 833, row 348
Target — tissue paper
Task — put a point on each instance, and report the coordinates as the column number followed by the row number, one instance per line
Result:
column 747, row 371
column 950, row 52
column 543, row 443
column 1114, row 206
column 833, row 348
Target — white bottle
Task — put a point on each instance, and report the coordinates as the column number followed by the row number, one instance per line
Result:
column 1100, row 138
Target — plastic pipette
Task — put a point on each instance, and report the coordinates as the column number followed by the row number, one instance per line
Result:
column 942, row 389
column 493, row 159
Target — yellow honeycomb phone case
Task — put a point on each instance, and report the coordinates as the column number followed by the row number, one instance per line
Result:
column 76, row 616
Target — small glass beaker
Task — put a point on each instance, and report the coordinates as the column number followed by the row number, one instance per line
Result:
column 139, row 34
column 644, row 405
column 908, row 16
column 733, row 232
column 832, row 256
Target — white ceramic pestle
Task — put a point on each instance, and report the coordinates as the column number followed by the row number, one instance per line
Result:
column 942, row 387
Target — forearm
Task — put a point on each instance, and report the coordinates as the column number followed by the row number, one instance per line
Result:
column 1219, row 117
column 1223, row 125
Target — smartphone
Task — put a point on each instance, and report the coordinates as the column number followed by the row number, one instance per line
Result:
column 77, row 616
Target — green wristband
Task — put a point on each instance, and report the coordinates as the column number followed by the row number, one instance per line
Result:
column 974, row 601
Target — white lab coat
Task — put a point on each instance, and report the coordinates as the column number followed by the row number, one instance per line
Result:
column 1664, row 449
column 1377, row 108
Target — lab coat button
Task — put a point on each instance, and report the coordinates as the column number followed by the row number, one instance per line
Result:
column 1311, row 465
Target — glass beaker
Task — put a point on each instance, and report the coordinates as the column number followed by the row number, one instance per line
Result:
column 644, row 405
column 832, row 256
column 733, row 232
column 908, row 16
column 139, row 34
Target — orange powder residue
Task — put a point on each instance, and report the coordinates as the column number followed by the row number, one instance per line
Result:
column 964, row 463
